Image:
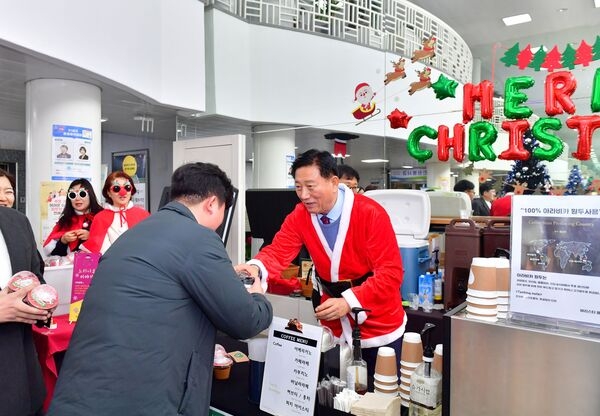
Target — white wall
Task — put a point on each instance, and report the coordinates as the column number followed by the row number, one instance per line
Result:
column 270, row 74
column 160, row 160
column 154, row 47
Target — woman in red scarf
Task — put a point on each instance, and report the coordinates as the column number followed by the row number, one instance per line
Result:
column 118, row 216
column 73, row 226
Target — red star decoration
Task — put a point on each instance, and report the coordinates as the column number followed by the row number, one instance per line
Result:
column 398, row 119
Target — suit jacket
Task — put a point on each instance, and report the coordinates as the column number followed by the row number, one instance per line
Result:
column 145, row 339
column 480, row 207
column 22, row 388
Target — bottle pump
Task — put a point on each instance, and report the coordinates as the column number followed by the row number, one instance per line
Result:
column 356, row 372
column 426, row 382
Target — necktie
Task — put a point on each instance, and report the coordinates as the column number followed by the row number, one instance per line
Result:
column 325, row 219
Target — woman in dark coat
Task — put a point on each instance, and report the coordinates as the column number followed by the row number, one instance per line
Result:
column 22, row 389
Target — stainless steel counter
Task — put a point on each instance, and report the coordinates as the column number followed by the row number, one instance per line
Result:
column 511, row 369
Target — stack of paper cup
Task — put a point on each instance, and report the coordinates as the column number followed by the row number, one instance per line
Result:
column 502, row 286
column 482, row 300
column 437, row 357
column 412, row 356
column 386, row 372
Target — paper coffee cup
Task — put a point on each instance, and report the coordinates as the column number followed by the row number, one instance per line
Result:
column 486, row 294
column 412, row 348
column 385, row 363
column 482, row 276
column 502, row 274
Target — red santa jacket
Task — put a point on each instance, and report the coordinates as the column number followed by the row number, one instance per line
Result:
column 78, row 222
column 365, row 243
column 103, row 220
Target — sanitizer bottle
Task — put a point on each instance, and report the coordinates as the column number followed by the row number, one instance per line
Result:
column 426, row 382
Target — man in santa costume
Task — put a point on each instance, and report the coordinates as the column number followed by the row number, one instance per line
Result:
column 353, row 247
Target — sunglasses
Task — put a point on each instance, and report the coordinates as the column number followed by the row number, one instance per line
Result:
column 82, row 193
column 117, row 188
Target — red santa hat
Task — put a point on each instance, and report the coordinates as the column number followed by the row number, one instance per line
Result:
column 358, row 87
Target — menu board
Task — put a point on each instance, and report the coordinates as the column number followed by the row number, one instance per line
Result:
column 555, row 258
column 291, row 368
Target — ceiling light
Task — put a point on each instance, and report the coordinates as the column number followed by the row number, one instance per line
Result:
column 564, row 9
column 406, row 166
column 596, row 3
column 516, row 20
column 103, row 119
column 375, row 161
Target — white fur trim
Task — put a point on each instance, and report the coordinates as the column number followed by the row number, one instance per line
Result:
column 49, row 247
column 375, row 341
column 263, row 271
column 352, row 300
column 315, row 222
column 342, row 231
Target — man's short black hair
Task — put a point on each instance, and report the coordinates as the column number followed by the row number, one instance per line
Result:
column 485, row 187
column 463, row 186
column 324, row 161
column 197, row 181
column 347, row 172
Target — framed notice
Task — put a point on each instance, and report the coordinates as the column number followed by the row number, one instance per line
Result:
column 555, row 260
column 135, row 163
column 291, row 368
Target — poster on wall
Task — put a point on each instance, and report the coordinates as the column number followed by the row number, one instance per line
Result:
column 71, row 152
column 53, row 196
column 135, row 163
column 555, row 259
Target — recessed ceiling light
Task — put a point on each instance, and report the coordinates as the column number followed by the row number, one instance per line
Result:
column 562, row 10
column 375, row 161
column 516, row 20
column 597, row 3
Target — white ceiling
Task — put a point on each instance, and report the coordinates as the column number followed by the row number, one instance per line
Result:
column 478, row 22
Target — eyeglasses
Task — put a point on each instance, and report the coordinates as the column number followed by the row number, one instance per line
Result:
column 82, row 193
column 117, row 188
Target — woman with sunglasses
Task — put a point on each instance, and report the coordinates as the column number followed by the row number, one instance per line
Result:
column 118, row 216
column 73, row 226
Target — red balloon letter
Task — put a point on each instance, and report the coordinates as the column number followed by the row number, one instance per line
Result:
column 484, row 93
column 516, row 150
column 586, row 126
column 559, row 88
column 457, row 143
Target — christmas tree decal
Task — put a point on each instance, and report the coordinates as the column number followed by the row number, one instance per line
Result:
column 524, row 57
column 531, row 173
column 538, row 59
column 568, row 57
column 552, row 60
column 510, row 56
column 596, row 49
column 574, row 181
column 584, row 55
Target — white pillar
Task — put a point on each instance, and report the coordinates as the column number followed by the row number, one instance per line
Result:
column 273, row 153
column 273, row 156
column 53, row 103
column 438, row 176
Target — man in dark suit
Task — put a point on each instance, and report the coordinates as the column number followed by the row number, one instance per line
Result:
column 22, row 389
column 481, row 205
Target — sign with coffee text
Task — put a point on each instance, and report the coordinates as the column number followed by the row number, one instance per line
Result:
column 555, row 258
column 291, row 368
